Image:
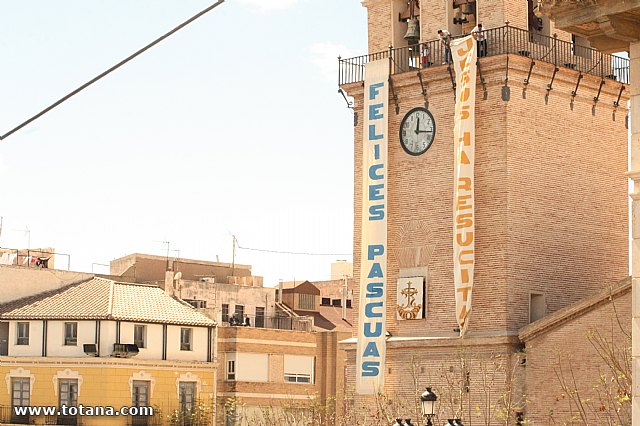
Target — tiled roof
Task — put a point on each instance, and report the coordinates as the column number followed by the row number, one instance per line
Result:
column 99, row 298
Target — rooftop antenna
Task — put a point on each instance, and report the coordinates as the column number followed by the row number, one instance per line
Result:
column 233, row 258
column 168, row 243
column 26, row 231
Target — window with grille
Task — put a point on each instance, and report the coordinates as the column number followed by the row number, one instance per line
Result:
column 20, row 387
column 20, row 391
column 70, row 333
column 187, row 396
column 22, row 333
column 68, row 392
column 140, row 393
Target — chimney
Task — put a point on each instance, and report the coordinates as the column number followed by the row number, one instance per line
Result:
column 168, row 283
column 280, row 291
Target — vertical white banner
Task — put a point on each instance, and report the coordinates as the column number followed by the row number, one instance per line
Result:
column 373, row 258
column 464, row 136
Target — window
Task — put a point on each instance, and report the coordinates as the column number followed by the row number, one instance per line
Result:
column 336, row 302
column 68, row 392
column 70, row 333
column 259, row 316
column 187, row 396
column 140, row 335
column 20, row 391
column 326, row 301
column 231, row 369
column 537, row 306
column 348, row 303
column 239, row 311
column 225, row 312
column 307, row 301
column 140, row 398
column 580, row 46
column 140, row 393
column 297, row 378
column 298, row 369
column 199, row 304
column 185, row 339
column 22, row 332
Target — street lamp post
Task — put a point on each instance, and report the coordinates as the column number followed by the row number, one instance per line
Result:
column 428, row 402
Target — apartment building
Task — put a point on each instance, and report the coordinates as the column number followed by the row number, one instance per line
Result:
column 98, row 343
column 267, row 369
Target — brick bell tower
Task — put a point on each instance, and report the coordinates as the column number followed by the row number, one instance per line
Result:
column 550, row 194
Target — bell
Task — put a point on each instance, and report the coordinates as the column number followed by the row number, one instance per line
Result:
column 468, row 9
column 413, row 32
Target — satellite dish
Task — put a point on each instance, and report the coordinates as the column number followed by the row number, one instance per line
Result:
column 177, row 276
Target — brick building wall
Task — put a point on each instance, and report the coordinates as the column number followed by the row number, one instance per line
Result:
column 251, row 396
column 544, row 202
column 144, row 267
column 551, row 217
column 563, row 349
column 471, row 379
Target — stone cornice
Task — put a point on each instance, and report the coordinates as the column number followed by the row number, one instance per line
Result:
column 610, row 25
column 107, row 362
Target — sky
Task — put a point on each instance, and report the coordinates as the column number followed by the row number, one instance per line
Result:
column 232, row 126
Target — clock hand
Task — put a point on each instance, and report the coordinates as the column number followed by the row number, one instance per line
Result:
column 417, row 125
column 424, row 131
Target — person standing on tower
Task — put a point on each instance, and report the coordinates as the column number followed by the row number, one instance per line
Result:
column 479, row 35
column 445, row 39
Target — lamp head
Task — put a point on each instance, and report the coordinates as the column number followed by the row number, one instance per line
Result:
column 428, row 402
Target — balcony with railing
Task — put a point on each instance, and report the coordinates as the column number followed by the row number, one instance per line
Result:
column 506, row 40
column 301, row 323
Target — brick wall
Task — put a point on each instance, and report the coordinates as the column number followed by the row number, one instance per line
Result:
column 379, row 24
column 327, row 389
column 471, row 378
column 565, row 350
column 544, row 202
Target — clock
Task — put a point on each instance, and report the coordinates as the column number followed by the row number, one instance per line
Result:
column 417, row 131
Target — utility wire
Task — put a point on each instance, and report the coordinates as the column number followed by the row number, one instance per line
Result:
column 113, row 68
column 294, row 252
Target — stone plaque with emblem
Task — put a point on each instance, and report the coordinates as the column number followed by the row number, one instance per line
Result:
column 410, row 298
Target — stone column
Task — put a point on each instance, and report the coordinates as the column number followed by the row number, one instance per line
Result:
column 634, row 174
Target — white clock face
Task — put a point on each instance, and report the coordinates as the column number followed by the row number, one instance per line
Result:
column 417, row 131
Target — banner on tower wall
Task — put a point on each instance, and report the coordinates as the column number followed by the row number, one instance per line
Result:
column 373, row 257
column 464, row 60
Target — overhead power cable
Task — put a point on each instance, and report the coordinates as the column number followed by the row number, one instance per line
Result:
column 294, row 252
column 113, row 68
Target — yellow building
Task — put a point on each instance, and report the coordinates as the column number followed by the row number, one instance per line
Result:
column 98, row 344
